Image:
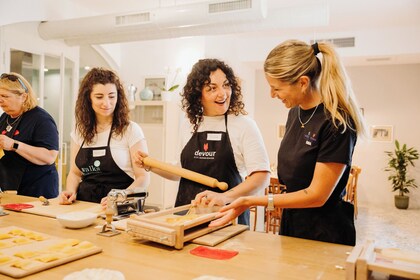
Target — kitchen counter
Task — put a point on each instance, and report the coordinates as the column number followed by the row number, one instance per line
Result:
column 261, row 255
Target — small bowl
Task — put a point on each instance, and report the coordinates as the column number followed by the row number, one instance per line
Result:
column 79, row 219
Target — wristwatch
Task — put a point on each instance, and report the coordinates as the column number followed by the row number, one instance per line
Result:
column 15, row 146
column 270, row 205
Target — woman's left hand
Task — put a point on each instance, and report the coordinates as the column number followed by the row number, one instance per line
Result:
column 210, row 199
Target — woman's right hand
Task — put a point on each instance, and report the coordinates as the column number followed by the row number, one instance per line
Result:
column 67, row 197
column 138, row 158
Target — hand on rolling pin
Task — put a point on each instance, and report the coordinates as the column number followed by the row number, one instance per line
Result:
column 230, row 212
column 138, row 159
column 67, row 197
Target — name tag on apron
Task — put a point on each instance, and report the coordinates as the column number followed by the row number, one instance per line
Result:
column 214, row 136
column 98, row 153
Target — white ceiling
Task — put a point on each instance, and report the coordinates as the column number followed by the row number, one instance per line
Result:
column 343, row 16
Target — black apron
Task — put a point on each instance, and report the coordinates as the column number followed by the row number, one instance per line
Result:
column 209, row 153
column 100, row 173
column 11, row 172
column 333, row 222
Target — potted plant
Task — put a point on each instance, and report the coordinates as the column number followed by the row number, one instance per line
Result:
column 398, row 161
column 167, row 91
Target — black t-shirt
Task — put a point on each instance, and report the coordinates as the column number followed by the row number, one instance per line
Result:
column 36, row 128
column 319, row 141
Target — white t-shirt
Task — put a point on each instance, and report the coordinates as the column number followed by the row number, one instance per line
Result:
column 245, row 137
column 120, row 146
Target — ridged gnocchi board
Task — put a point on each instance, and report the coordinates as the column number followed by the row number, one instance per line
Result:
column 24, row 252
column 54, row 208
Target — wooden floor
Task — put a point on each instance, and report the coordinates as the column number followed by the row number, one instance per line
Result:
column 389, row 227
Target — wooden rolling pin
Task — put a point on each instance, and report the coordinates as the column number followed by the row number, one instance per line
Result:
column 185, row 173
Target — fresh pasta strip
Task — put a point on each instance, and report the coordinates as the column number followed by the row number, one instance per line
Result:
column 25, row 264
column 5, row 245
column 5, row 236
column 21, row 241
column 4, row 259
column 181, row 219
column 45, row 258
column 84, row 245
column 63, row 244
column 16, row 231
column 26, row 254
column 34, row 236
column 70, row 241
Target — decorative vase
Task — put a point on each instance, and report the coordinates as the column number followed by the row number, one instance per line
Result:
column 131, row 89
column 166, row 95
column 146, row 94
column 401, row 201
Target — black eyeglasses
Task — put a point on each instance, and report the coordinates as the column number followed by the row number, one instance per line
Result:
column 14, row 78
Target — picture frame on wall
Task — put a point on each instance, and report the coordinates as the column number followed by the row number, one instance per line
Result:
column 155, row 84
column 381, row 133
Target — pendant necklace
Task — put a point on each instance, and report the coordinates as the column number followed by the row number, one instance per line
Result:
column 302, row 124
column 10, row 125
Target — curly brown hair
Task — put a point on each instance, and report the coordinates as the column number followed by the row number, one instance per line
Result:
column 85, row 115
column 197, row 79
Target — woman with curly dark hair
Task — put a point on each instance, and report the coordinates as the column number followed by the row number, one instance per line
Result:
column 103, row 142
column 219, row 140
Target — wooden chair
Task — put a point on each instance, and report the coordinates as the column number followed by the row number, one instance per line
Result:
column 351, row 188
column 273, row 218
column 254, row 212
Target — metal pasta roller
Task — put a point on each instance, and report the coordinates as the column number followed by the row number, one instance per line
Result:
column 127, row 202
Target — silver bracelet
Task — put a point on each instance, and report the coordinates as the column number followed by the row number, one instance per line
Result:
column 147, row 168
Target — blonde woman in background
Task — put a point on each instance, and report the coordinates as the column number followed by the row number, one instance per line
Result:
column 315, row 155
column 29, row 137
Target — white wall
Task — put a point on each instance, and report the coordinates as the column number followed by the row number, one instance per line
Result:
column 149, row 58
column 389, row 95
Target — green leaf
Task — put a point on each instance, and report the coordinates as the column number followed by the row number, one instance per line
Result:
column 174, row 87
column 398, row 162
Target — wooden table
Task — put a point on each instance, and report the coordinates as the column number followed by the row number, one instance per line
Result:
column 261, row 255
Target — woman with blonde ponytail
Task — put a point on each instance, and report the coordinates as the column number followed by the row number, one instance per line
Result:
column 315, row 155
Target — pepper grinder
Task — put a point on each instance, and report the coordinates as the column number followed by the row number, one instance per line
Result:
column 108, row 228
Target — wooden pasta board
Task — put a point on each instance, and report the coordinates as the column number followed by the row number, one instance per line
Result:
column 155, row 226
column 54, row 208
column 220, row 235
column 365, row 259
column 399, row 263
column 36, row 246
